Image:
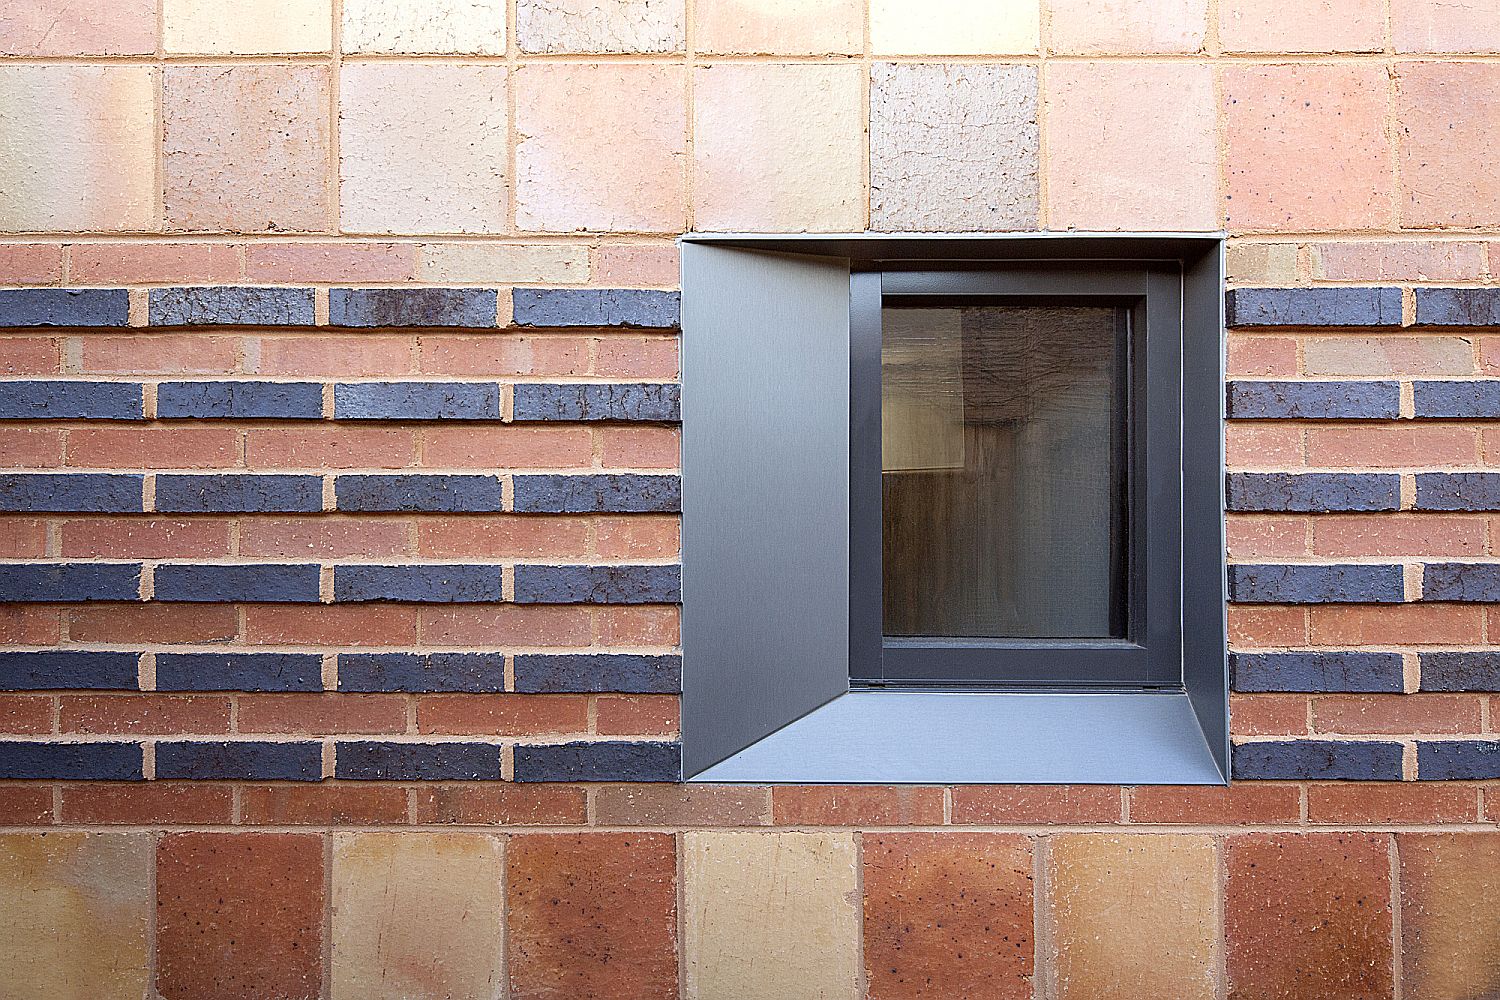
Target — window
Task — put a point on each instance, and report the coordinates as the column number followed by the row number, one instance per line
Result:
column 952, row 509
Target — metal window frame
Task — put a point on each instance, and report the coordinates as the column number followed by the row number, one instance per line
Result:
column 766, row 402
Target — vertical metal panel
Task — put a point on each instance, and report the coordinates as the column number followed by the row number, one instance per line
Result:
column 765, row 460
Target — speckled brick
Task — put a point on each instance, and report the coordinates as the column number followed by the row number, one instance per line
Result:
column 1460, row 671
column 1458, row 306
column 468, row 27
column 372, row 307
column 378, row 761
column 231, row 306
column 70, row 401
column 1317, row 671
column 596, row 401
column 1313, row 307
column 422, row 672
column 1458, row 491
column 452, row 494
column 240, row 400
column 619, row 494
column 81, row 307
column 586, row 26
column 94, row 492
column 420, row 583
column 1318, row 760
column 259, row 584
column 240, row 760
column 595, row 307
column 1300, row 584
column 53, row 669
column 239, row 672
column 417, row 401
column 70, row 581
column 237, row 493
column 599, row 761
column 621, row 672
column 598, row 584
column 38, row 761
column 1479, row 400
column 1474, row 582
column 1315, row 400
column 1313, row 492
column 1458, row 760
column 1450, row 925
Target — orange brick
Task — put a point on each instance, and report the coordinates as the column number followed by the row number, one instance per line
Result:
column 856, row 805
column 1267, row 625
column 146, row 538
column 1365, row 803
column 25, row 805
column 336, row 262
column 636, row 715
column 1397, row 535
column 478, row 625
column 1242, row 803
column 30, row 356
column 637, row 536
column 340, row 446
column 31, row 263
column 647, row 625
column 322, row 714
column 30, row 448
column 153, row 802
column 164, row 623
column 487, row 447
column 165, row 263
column 1450, row 926
column 1262, row 355
column 1262, row 446
column 500, row 804
column 1253, row 536
column 160, row 354
column 1392, row 447
column 22, row 537
column 331, row 625
column 25, row 714
column 639, row 447
column 682, row 805
column 144, row 714
column 323, row 804
column 1268, row 714
column 502, row 714
column 1400, row 624
column 324, row 537
column 153, row 447
column 504, row 354
column 345, row 357
column 1031, row 804
column 503, row 536
column 30, row 624
column 1397, row 714
column 636, row 357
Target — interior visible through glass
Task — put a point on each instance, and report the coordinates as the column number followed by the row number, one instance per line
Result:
column 1004, row 453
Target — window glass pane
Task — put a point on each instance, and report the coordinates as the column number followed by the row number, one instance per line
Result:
column 1004, row 443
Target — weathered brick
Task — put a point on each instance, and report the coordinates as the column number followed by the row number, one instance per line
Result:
column 241, row 760
column 326, row 353
column 598, row 584
column 1458, row 760
column 1460, row 671
column 625, row 672
column 30, row 355
column 133, row 446
column 1315, row 307
column 500, row 804
column 638, row 715
column 992, row 805
column 1098, row 27
column 239, row 671
column 1390, row 804
column 1316, row 400
column 1343, row 26
column 1306, row 584
column 231, row 306
column 422, row 672
column 195, row 353
column 595, row 401
column 157, row 261
column 143, row 714
column 322, row 713
column 595, row 307
column 388, row 307
column 246, row 27
column 677, row 805
column 1407, row 260
column 502, row 715
column 581, row 26
column 238, row 493
column 155, row 623
column 241, row 400
column 340, row 445
column 1458, row 491
column 68, row 668
column 417, row 401
column 257, row 583
column 70, row 581
column 1207, row 805
column 1460, row 582
column 94, row 761
column 1435, row 26
column 360, row 760
column 1458, row 307
column 330, row 803
column 471, row 625
column 469, row 27
column 137, row 804
column 1312, row 492
column 327, row 538
column 599, row 761
column 1317, row 671
column 72, row 307
column 417, row 583
column 856, row 805
column 70, row 401
column 1449, row 116
column 1388, row 356
column 75, row 29
column 1396, row 624
column 554, row 494
column 1268, row 715
column 1456, row 399
column 1318, row 760
column 1450, row 926
column 145, row 538
column 418, row 493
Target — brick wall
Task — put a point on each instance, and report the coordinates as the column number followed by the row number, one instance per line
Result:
column 338, row 493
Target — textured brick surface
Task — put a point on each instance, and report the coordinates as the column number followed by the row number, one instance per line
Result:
column 1318, row 400
column 369, row 307
column 270, row 582
column 1300, row 584
column 70, row 582
column 1450, row 926
column 239, row 759
column 583, row 494
column 63, row 28
column 419, row 493
column 239, row 672
column 474, row 672
column 1460, row 582
column 97, row 761
column 598, row 584
column 1320, row 671
column 542, row 673
column 246, row 27
column 1334, row 26
column 1318, row 760
column 376, row 761
column 1458, row 491
column 92, row 492
column 562, row 307
column 231, row 306
column 642, row 401
column 52, row 669
column 69, row 400
column 1449, row 115
column 1458, row 306
column 417, row 583
column 249, row 493
column 469, row 27
column 1312, row 491
column 271, row 400
column 583, row 26
column 1459, row 760
column 1435, row 26
column 1313, row 306
column 1466, row 671
column 1088, row 27
column 599, row 761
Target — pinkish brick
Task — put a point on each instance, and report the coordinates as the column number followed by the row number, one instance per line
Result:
column 333, row 262
column 1445, row 26
column 1449, row 116
column 1407, row 260
column 1324, row 26
column 1097, row 27
column 30, row 263
column 779, row 27
column 164, row 263
column 634, row 265
column 77, row 27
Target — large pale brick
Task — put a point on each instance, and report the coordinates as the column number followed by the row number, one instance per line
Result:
column 1407, row 260
column 1090, row 27
column 948, row 915
column 1321, row 26
column 247, row 27
column 953, row 147
column 1450, row 924
column 1443, row 26
column 1449, row 125
column 567, row 114
column 779, row 27
column 246, row 147
column 77, row 27
column 417, row 916
column 591, row 26
column 504, row 263
column 74, row 915
column 1134, row 916
column 470, row 27
column 1307, row 147
column 1131, row 146
column 422, row 148
column 1403, row 356
column 791, row 895
column 778, row 148
column 65, row 165
column 954, row 27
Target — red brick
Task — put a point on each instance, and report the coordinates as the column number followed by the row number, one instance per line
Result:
column 154, row 262
column 948, row 915
column 1268, row 714
column 503, row 536
column 22, row 537
column 636, row 715
column 331, row 625
column 323, row 804
column 592, row 915
column 160, row 354
column 332, row 447
column 487, row 447
column 30, row 263
column 165, row 623
column 30, row 624
column 345, row 357
column 484, row 625
column 1262, row 355
column 637, row 536
column 639, row 447
column 984, row 805
column 324, row 537
column 1263, row 446
column 1450, row 925
column 30, row 356
column 25, row 805
column 1449, row 116
column 149, row 803
column 153, row 447
column 1396, row 713
column 144, row 714
column 1206, row 805
column 1401, row 624
column 322, row 714
column 500, row 804
column 856, row 805
column 1308, row 915
column 647, row 625
column 30, row 448
column 333, row 262
column 1392, row 447
column 504, row 354
column 682, row 805
column 636, row 357
column 1397, row 535
column 239, row 915
column 502, row 714
column 146, row 537
column 25, row 714
column 1267, row 625
column 1253, row 536
column 1365, row 803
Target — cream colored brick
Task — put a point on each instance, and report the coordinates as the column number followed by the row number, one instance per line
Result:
column 600, row 25
column 77, row 148
column 470, row 27
column 417, row 916
column 247, row 27
column 778, row 148
column 1261, row 263
column 779, row 27
column 768, row 916
column 954, row 27
column 504, row 263
column 422, row 148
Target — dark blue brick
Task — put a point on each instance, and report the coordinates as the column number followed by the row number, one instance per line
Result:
column 231, row 305
column 240, row 760
column 1479, row 400
column 1458, row 306
column 598, row 584
column 245, row 400
column 618, row 494
column 1312, row 492
column 366, row 307
column 32, row 761
column 1458, row 491
column 1314, row 307
column 1318, row 760
column 1341, row 671
column 427, row 584
column 1315, row 400
column 599, row 761
column 1474, row 582
column 62, row 400
column 239, row 493
column 1458, row 760
column 239, row 672
column 258, row 583
column 655, row 401
column 1468, row 671
column 482, row 673
column 70, row 581
column 1302, row 584
column 64, row 307
column 416, row 401
column 62, row 669
column 542, row 673
column 454, row 494
column 91, row 492
column 639, row 307
column 376, row 761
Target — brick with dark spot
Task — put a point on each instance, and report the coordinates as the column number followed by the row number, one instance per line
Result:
column 64, row 400
column 361, row 760
column 452, row 494
column 294, row 582
column 1458, row 760
column 64, row 307
column 1313, row 307
column 541, row 673
column 1458, row 491
column 1460, row 671
column 1318, row 760
column 374, row 307
column 83, row 493
column 240, row 759
column 231, row 305
column 418, row 583
column 63, row 669
column 417, row 401
column 239, row 493
column 239, row 671
column 1317, row 671
column 70, row 581
column 1304, row 584
column 599, row 761
column 647, row 401
column 618, row 494
column 1458, row 306
column 1312, row 492
column 598, row 584
column 565, row 307
column 240, row 400
column 482, row 673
